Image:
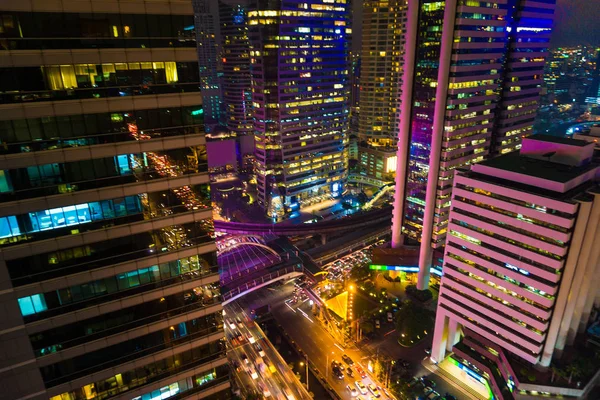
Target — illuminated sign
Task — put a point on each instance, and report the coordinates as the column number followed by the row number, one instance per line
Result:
column 473, row 375
column 404, row 268
column 198, row 112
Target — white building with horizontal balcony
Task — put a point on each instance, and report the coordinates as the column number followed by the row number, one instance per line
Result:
column 520, row 261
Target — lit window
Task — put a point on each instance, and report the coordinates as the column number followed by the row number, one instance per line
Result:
column 32, row 304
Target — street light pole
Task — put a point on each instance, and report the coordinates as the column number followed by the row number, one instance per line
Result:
column 306, row 372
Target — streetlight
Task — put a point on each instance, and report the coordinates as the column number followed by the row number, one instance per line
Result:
column 305, row 364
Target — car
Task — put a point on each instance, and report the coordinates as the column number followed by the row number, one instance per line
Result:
column 337, row 372
column 433, row 395
column 231, row 324
column 349, row 372
column 428, row 350
column 361, row 387
column 250, row 337
column 373, row 389
column 265, row 390
column 361, row 372
column 390, row 317
column 449, row 397
column 252, row 373
column 259, row 349
column 244, row 357
column 237, row 366
column 353, row 391
column 288, row 394
column 239, row 322
column 427, row 390
column 347, row 360
column 377, row 324
column 413, row 382
column 361, row 398
column 239, row 337
column 427, row 382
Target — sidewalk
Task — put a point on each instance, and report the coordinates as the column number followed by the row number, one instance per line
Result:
column 452, row 380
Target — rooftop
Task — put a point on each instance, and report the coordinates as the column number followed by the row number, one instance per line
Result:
column 559, row 140
column 547, row 170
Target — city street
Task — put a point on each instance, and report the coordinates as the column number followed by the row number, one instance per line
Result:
column 257, row 365
column 321, row 349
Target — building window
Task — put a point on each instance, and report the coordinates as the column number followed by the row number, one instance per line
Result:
column 32, row 304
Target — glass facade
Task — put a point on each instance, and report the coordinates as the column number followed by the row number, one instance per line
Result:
column 63, row 30
column 59, row 178
column 103, row 243
column 300, row 95
column 431, row 16
column 93, row 81
column 490, row 99
column 57, row 132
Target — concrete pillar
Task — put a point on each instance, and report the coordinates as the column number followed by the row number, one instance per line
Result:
column 586, row 272
column 440, row 336
column 412, row 15
column 323, row 239
column 581, row 274
column 591, row 296
column 568, row 273
column 439, row 117
column 453, row 334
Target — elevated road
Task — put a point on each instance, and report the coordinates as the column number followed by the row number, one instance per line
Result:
column 367, row 219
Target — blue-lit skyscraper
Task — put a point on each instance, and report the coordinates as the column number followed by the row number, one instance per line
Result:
column 471, row 86
column 235, row 58
column 300, row 92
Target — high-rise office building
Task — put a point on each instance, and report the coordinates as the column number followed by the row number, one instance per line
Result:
column 471, row 84
column 205, row 26
column 520, row 261
column 300, row 95
column 381, row 72
column 108, row 277
column 235, row 56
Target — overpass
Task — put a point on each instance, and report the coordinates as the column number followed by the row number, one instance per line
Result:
column 366, row 219
column 265, row 279
column 367, row 180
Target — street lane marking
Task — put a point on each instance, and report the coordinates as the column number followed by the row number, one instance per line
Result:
column 290, row 307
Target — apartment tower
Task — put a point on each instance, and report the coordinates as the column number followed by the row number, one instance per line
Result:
column 300, row 96
column 381, row 72
column 520, row 263
column 471, row 86
column 108, row 276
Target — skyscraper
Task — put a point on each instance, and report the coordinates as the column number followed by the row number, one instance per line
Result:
column 381, row 71
column 108, row 276
column 471, row 85
column 235, row 54
column 210, row 81
column 300, row 93
column 520, row 261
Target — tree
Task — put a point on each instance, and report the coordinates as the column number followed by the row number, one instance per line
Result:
column 574, row 370
column 413, row 320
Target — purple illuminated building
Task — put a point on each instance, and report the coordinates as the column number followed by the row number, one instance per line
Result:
column 471, row 85
column 521, row 267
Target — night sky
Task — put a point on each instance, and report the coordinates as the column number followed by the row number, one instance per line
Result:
column 577, row 22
